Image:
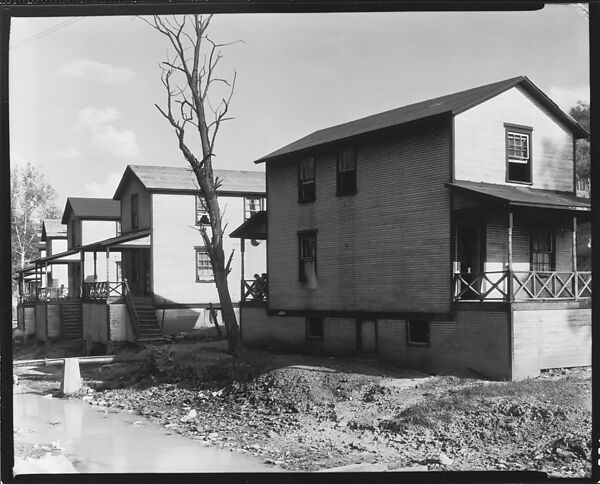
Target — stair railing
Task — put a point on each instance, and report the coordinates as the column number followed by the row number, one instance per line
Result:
column 133, row 315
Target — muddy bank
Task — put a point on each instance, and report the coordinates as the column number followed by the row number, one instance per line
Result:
column 312, row 413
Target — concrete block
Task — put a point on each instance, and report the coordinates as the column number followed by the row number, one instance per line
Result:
column 71, row 380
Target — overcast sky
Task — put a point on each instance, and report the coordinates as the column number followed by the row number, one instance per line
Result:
column 82, row 90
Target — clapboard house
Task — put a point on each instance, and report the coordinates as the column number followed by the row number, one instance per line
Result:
column 440, row 235
column 166, row 283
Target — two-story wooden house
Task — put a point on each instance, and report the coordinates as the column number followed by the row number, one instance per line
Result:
column 166, row 270
column 440, row 235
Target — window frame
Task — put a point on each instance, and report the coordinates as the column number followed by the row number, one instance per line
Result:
column 201, row 211
column 206, row 277
column 551, row 233
column 309, row 321
column 521, row 131
column 342, row 189
column 304, row 235
column 409, row 334
column 135, row 211
column 248, row 211
column 303, row 197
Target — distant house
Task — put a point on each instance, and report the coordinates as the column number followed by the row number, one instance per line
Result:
column 68, row 260
column 166, row 282
column 440, row 235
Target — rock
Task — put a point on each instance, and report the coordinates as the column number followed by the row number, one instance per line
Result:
column 49, row 395
column 444, row 459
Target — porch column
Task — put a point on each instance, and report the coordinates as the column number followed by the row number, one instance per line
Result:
column 574, row 248
column 510, row 256
column 95, row 273
column 107, row 264
column 81, row 272
column 243, row 250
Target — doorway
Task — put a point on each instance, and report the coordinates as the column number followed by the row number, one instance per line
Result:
column 139, row 272
column 470, row 250
column 367, row 336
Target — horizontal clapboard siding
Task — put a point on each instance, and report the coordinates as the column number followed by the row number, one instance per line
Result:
column 384, row 249
column 550, row 339
column 480, row 152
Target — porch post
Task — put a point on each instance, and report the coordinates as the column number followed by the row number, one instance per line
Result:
column 574, row 255
column 243, row 250
column 107, row 265
column 81, row 272
column 510, row 256
column 95, row 273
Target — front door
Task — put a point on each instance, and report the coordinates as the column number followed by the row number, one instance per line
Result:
column 367, row 336
column 469, row 248
column 139, row 277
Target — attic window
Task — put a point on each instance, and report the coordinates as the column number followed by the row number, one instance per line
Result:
column 346, row 172
column 306, row 180
column 518, row 154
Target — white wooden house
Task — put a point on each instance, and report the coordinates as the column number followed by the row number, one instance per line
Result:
column 439, row 235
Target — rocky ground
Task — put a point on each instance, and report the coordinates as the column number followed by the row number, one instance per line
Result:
column 309, row 413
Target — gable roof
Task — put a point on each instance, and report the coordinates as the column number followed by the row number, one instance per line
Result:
column 53, row 228
column 92, row 209
column 182, row 179
column 451, row 103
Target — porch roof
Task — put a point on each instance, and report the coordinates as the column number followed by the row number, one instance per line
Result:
column 253, row 228
column 60, row 258
column 139, row 239
column 525, row 196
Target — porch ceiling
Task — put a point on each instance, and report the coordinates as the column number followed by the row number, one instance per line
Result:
column 525, row 196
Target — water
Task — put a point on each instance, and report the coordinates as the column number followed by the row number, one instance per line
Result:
column 95, row 440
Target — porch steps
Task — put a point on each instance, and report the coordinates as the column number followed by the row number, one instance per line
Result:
column 71, row 318
column 148, row 329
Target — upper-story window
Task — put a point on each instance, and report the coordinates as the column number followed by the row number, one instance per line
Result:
column 134, row 211
column 306, row 180
column 202, row 217
column 252, row 205
column 542, row 249
column 518, row 154
column 346, row 172
column 307, row 257
column 204, row 270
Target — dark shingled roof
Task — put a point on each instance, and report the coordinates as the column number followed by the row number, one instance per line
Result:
column 182, row 179
column 452, row 103
column 525, row 196
column 92, row 209
column 53, row 228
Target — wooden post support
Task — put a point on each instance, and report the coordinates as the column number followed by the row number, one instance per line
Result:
column 107, row 270
column 510, row 256
column 574, row 255
column 95, row 272
column 81, row 272
column 71, row 379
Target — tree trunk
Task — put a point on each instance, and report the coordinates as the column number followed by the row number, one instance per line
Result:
column 233, row 331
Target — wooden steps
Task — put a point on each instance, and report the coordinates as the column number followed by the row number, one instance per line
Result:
column 148, row 329
column 71, row 318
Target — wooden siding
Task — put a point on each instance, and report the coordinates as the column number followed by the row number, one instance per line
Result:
column 547, row 338
column 480, row 152
column 174, row 239
column 144, row 206
column 476, row 341
column 94, row 323
column 371, row 247
column 74, row 233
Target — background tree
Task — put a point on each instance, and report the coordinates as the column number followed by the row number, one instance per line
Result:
column 581, row 113
column 197, row 103
column 32, row 199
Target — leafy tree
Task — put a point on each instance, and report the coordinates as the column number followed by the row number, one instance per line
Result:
column 197, row 104
column 581, row 113
column 32, row 199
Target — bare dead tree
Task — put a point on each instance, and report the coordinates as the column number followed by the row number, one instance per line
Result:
column 191, row 81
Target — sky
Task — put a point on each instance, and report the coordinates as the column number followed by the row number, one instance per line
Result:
column 83, row 90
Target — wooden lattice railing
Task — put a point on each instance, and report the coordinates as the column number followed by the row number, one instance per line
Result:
column 51, row 293
column 522, row 286
column 102, row 290
column 255, row 290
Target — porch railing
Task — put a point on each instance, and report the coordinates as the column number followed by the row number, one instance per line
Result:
column 51, row 293
column 522, row 286
column 255, row 290
column 102, row 290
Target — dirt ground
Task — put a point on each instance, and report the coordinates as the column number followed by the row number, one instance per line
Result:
column 308, row 413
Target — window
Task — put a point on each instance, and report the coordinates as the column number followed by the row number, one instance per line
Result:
column 518, row 154
column 306, row 180
column 134, row 211
column 542, row 250
column 417, row 332
column 307, row 257
column 201, row 211
column 118, row 228
column 251, row 206
column 118, row 271
column 346, row 172
column 203, row 266
column 314, row 328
